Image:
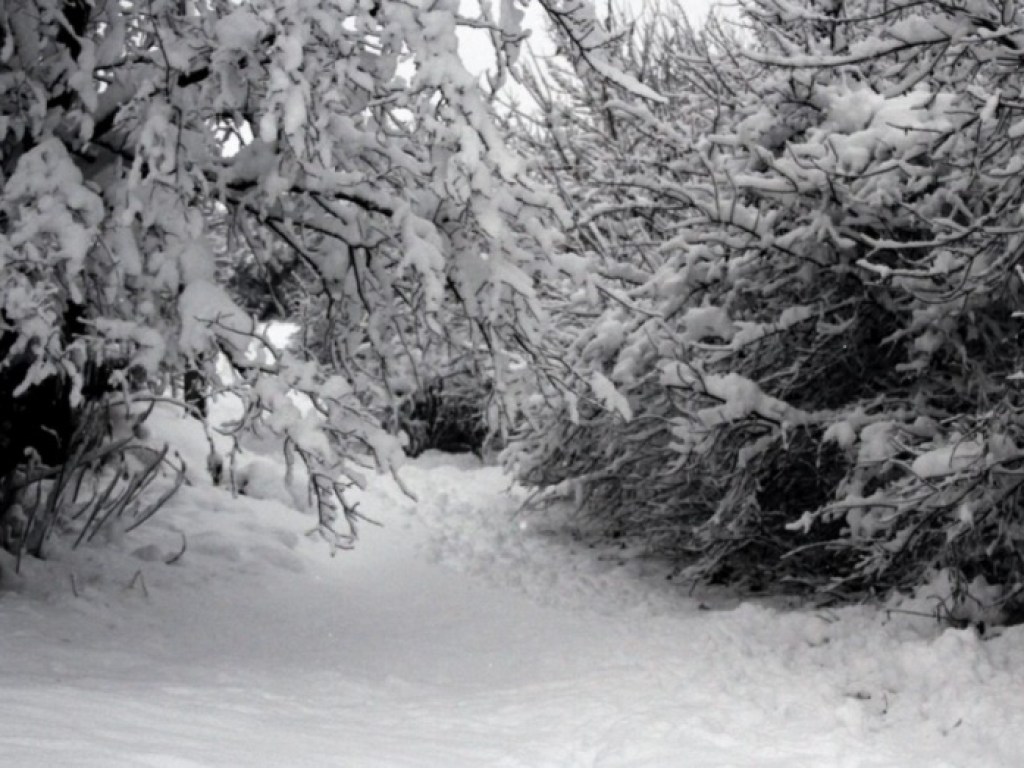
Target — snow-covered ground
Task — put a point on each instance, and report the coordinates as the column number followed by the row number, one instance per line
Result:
column 462, row 633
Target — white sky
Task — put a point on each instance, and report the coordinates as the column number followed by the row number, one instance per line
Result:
column 478, row 54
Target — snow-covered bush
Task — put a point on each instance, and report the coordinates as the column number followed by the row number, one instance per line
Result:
column 147, row 147
column 797, row 361
column 163, row 163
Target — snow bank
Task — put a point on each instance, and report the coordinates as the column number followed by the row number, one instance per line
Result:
column 466, row 632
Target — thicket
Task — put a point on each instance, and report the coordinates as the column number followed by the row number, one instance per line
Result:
column 750, row 292
column 152, row 152
column 797, row 362
column 173, row 174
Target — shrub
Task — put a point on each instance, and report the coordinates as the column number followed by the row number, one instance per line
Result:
column 446, row 414
column 796, row 361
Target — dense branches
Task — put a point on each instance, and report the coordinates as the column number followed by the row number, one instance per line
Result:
column 338, row 153
column 802, row 331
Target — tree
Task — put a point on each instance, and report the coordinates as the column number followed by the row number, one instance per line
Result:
column 151, row 149
column 800, row 365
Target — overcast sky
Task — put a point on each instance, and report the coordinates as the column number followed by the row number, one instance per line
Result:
column 478, row 54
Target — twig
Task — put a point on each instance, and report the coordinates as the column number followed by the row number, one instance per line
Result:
column 138, row 577
column 176, row 557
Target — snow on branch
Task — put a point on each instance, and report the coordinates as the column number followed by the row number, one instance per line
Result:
column 577, row 20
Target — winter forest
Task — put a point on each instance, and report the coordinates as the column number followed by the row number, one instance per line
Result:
column 637, row 317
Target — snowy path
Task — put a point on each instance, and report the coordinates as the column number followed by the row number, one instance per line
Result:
column 454, row 638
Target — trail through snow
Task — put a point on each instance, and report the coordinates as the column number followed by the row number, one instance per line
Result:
column 462, row 633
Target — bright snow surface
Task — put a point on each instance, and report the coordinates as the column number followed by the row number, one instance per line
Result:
column 462, row 633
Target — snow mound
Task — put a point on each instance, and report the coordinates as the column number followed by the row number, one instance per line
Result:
column 467, row 631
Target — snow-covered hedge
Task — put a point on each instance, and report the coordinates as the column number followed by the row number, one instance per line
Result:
column 797, row 360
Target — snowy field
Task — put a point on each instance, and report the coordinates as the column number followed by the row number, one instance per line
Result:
column 462, row 633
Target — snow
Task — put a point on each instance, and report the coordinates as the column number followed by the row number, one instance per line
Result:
column 876, row 442
column 702, row 322
column 55, row 216
column 948, row 459
column 241, row 29
column 467, row 631
column 841, row 433
column 741, row 397
column 622, row 79
column 208, row 313
column 609, row 396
